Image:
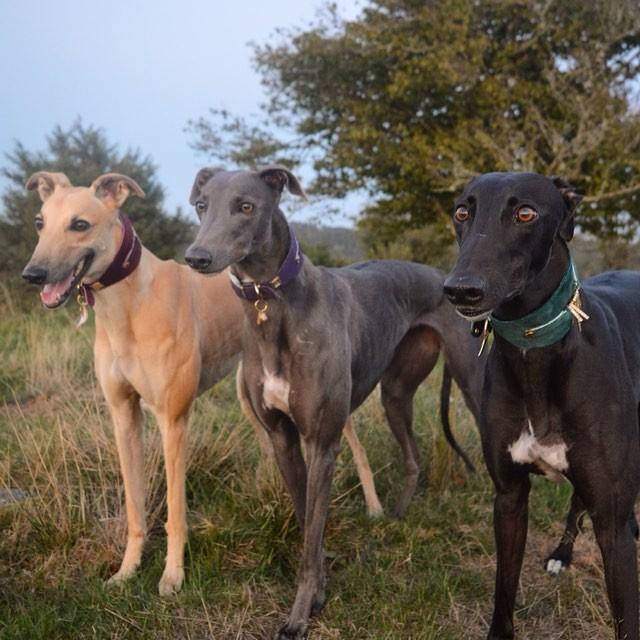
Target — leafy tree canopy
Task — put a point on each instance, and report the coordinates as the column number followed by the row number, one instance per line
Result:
column 414, row 97
column 83, row 153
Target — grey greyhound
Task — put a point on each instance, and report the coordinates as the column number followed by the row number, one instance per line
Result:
column 561, row 392
column 316, row 343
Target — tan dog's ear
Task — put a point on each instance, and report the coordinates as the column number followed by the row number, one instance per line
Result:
column 114, row 189
column 46, row 183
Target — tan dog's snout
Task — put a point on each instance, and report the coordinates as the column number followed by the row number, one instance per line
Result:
column 35, row 274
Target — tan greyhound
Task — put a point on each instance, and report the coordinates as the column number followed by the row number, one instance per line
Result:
column 164, row 334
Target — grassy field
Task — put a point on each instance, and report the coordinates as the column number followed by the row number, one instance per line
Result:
column 427, row 576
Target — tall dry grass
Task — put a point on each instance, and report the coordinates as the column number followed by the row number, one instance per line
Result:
column 427, row 576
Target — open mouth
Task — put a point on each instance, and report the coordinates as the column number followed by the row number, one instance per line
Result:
column 55, row 294
column 474, row 315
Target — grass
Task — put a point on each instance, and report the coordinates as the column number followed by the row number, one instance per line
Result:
column 428, row 576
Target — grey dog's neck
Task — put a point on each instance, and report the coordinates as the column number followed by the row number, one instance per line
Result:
column 268, row 251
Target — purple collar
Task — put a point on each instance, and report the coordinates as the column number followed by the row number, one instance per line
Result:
column 125, row 263
column 288, row 271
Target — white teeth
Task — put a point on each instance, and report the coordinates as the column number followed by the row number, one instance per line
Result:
column 78, row 268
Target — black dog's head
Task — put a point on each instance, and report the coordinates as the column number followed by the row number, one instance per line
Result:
column 506, row 225
column 235, row 210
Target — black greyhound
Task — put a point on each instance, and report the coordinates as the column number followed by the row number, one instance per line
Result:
column 561, row 392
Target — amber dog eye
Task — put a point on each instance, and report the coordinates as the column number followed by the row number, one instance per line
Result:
column 246, row 207
column 526, row 214
column 461, row 214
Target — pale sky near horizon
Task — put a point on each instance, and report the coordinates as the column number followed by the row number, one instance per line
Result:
column 139, row 70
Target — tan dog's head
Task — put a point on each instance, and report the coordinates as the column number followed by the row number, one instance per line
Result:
column 79, row 232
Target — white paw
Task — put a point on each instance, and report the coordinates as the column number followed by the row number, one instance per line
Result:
column 554, row 567
column 171, row 581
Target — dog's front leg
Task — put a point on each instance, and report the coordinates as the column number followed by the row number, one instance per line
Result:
column 311, row 581
column 174, row 444
column 510, row 527
column 615, row 536
column 127, row 421
column 286, row 447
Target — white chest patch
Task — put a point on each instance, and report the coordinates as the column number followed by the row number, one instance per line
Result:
column 275, row 392
column 549, row 458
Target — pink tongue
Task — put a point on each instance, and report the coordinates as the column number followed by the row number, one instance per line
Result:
column 51, row 292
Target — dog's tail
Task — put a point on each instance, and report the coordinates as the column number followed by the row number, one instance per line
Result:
column 445, row 394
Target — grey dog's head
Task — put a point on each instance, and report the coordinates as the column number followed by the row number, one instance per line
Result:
column 235, row 209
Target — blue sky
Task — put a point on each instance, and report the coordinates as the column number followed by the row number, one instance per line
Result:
column 138, row 69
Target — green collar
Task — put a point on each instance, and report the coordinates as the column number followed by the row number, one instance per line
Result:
column 549, row 323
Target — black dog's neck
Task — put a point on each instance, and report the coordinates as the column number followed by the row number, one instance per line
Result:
column 539, row 290
column 268, row 252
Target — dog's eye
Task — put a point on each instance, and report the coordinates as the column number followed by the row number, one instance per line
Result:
column 201, row 207
column 461, row 214
column 39, row 224
column 79, row 225
column 526, row 214
column 246, row 207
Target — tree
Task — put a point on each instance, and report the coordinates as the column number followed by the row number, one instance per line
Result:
column 414, row 97
column 83, row 153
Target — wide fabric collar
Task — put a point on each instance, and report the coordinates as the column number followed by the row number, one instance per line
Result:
column 549, row 323
column 265, row 290
column 124, row 264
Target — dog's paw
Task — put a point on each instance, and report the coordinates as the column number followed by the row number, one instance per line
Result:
column 291, row 632
column 554, row 567
column 171, row 581
column 121, row 576
column 559, row 560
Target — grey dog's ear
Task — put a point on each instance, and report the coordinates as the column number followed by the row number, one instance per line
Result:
column 114, row 189
column 571, row 201
column 203, row 176
column 46, row 183
column 278, row 177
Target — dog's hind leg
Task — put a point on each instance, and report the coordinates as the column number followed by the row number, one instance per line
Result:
column 560, row 558
column 127, row 420
column 413, row 360
column 174, row 444
column 374, row 508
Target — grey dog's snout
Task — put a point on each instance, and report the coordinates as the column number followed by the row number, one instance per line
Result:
column 465, row 290
column 34, row 274
column 198, row 258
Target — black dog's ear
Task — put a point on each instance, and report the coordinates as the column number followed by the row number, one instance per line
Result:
column 203, row 176
column 278, row 177
column 571, row 201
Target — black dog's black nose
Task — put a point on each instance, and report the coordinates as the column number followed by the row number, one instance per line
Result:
column 464, row 290
column 34, row 275
column 198, row 258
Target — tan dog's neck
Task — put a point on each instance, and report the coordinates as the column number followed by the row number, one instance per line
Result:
column 117, row 304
